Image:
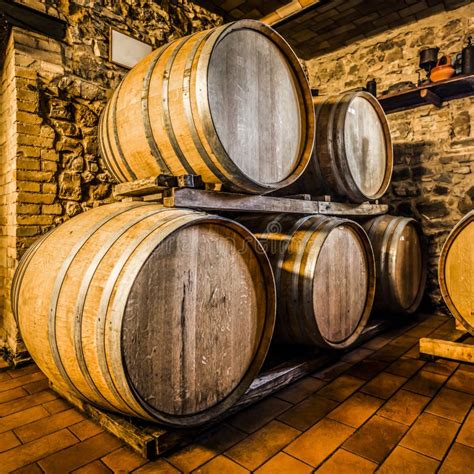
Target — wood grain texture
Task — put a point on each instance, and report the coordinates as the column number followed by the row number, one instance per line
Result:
column 352, row 156
column 254, row 104
column 400, row 262
column 218, row 104
column 325, row 275
column 222, row 201
column 134, row 303
column 456, row 272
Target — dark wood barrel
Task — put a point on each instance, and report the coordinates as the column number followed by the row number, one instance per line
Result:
column 157, row 313
column 353, row 155
column 231, row 104
column 325, row 277
column 400, row 263
column 456, row 271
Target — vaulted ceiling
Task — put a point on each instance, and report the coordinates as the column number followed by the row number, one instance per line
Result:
column 316, row 27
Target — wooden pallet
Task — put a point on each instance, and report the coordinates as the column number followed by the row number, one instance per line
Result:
column 449, row 346
column 190, row 192
column 151, row 440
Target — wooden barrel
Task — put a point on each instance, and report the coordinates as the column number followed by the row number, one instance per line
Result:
column 158, row 313
column 456, row 272
column 231, row 104
column 353, row 155
column 400, row 264
column 325, row 277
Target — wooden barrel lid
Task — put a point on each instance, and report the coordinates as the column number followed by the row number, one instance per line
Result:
column 254, row 94
column 365, row 144
column 194, row 320
column 340, row 285
column 456, row 271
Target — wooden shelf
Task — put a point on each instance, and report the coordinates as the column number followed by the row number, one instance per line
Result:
column 189, row 191
column 433, row 93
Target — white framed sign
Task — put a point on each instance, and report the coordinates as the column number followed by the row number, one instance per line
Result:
column 125, row 50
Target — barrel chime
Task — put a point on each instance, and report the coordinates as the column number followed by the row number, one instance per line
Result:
column 168, row 314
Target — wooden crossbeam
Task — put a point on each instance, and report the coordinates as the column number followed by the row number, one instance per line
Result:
column 33, row 20
column 447, row 350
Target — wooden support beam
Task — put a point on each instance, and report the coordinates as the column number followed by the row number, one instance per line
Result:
column 457, row 351
column 28, row 18
column 431, row 97
column 232, row 202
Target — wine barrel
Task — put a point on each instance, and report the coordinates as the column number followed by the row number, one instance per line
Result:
column 325, row 277
column 157, row 313
column 456, row 271
column 353, row 155
column 400, row 264
column 231, row 104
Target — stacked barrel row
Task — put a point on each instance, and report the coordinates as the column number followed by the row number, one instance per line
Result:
column 168, row 314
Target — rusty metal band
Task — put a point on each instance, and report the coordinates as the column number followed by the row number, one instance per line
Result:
column 305, row 263
column 115, row 130
column 53, row 343
column 146, row 110
column 108, row 157
column 166, row 110
column 105, row 302
column 84, row 289
column 190, row 117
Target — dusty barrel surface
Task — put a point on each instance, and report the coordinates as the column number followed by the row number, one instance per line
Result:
column 352, row 156
column 325, row 277
column 456, row 271
column 156, row 313
column 400, row 264
column 231, row 104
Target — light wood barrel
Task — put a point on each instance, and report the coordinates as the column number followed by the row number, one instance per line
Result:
column 353, row 155
column 400, row 264
column 158, row 313
column 231, row 104
column 456, row 271
column 325, row 277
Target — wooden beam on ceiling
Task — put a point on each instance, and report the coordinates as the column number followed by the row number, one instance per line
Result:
column 33, row 20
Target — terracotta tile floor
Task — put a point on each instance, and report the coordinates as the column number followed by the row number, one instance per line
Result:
column 379, row 408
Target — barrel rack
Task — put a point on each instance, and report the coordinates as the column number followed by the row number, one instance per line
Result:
column 189, row 191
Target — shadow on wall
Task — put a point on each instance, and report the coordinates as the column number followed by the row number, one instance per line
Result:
column 424, row 188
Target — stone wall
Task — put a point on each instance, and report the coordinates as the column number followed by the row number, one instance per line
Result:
column 60, row 90
column 433, row 178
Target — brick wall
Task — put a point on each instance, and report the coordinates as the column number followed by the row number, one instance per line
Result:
column 51, row 168
column 8, row 194
column 433, row 178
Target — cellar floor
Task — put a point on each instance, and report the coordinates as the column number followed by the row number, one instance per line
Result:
column 380, row 407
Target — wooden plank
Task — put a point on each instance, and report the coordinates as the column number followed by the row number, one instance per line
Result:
column 230, row 202
column 453, row 88
column 447, row 350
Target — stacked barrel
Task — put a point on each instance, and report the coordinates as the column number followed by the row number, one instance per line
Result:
column 168, row 314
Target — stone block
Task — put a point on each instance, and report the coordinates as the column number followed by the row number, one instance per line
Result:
column 70, row 186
